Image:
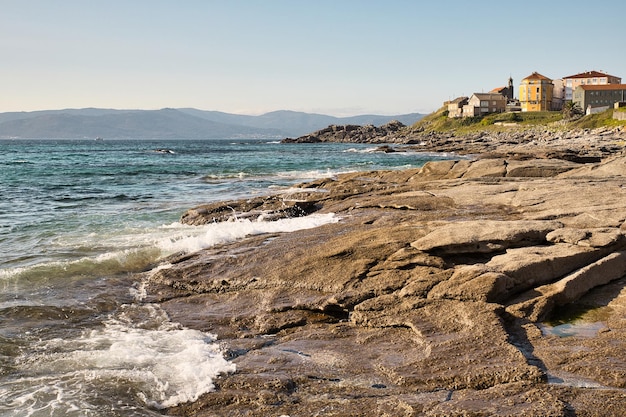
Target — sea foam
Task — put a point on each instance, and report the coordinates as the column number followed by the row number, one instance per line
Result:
column 193, row 238
column 136, row 358
column 134, row 250
column 137, row 355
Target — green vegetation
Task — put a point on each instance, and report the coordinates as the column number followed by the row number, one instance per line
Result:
column 570, row 119
column 604, row 119
column 572, row 110
column 577, row 312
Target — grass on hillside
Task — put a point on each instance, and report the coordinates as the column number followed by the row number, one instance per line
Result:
column 440, row 122
column 604, row 119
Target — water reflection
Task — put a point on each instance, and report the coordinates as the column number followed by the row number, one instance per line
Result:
column 577, row 320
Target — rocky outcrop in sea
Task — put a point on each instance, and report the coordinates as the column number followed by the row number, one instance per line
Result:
column 489, row 286
column 387, row 133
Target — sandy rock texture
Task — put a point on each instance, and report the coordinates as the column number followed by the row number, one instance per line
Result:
column 484, row 287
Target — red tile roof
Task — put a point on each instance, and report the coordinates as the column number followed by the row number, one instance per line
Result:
column 536, row 76
column 590, row 74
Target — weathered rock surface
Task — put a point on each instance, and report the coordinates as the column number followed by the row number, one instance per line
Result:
column 476, row 236
column 431, row 296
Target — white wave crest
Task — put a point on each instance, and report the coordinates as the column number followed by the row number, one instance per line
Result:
column 141, row 248
column 138, row 354
column 194, row 238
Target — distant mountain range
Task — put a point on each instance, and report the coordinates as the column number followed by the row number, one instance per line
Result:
column 184, row 123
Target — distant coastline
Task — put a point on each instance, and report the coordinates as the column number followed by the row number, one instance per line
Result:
column 184, row 123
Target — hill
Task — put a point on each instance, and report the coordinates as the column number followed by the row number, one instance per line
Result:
column 294, row 123
column 184, row 123
column 439, row 122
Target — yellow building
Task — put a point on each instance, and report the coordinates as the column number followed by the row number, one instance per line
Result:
column 535, row 93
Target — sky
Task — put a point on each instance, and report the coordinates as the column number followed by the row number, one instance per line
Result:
column 336, row 57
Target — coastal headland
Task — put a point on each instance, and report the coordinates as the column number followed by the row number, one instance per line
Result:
column 489, row 285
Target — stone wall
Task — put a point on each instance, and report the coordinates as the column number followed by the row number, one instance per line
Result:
column 619, row 114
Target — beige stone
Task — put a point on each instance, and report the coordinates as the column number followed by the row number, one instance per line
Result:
column 425, row 298
column 570, row 288
column 485, row 236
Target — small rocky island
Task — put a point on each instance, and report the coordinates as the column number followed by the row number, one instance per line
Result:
column 491, row 285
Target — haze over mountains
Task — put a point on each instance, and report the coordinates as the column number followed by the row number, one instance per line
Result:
column 184, row 123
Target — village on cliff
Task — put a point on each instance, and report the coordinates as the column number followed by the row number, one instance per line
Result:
column 590, row 91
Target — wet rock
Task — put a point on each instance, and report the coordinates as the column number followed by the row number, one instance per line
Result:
column 261, row 208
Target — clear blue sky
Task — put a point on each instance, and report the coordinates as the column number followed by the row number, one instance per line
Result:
column 340, row 57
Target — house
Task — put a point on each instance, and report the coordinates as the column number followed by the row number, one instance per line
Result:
column 508, row 92
column 596, row 98
column 586, row 78
column 480, row 104
column 535, row 93
column 455, row 107
column 558, row 95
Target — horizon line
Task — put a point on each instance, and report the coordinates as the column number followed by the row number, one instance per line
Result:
column 251, row 114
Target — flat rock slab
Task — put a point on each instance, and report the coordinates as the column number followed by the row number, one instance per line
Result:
column 424, row 299
column 485, row 236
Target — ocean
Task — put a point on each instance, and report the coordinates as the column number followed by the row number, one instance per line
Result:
column 79, row 219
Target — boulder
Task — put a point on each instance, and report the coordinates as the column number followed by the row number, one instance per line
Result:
column 483, row 168
column 532, row 266
column 485, row 236
column 595, row 238
column 538, row 304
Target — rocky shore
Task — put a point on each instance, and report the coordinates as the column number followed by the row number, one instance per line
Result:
column 579, row 145
column 484, row 286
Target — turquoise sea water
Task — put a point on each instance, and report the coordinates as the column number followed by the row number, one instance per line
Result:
column 77, row 218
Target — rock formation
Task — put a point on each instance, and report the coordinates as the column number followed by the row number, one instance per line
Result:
column 431, row 296
column 577, row 145
column 387, row 133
